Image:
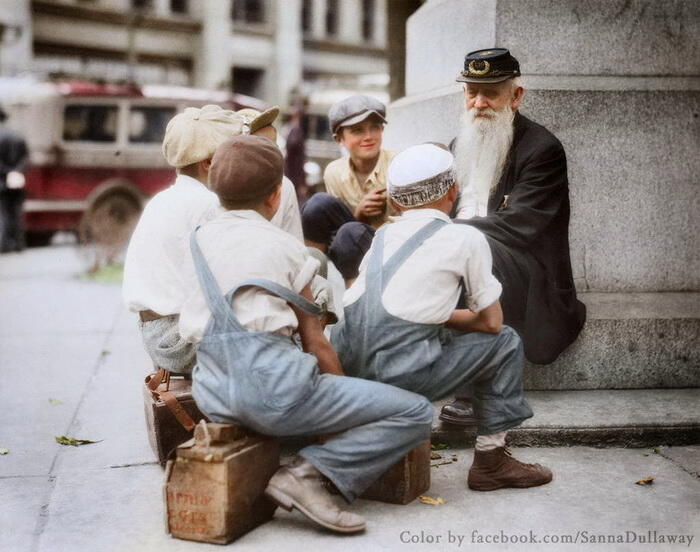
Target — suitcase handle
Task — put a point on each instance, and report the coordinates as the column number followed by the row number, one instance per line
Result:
column 153, row 381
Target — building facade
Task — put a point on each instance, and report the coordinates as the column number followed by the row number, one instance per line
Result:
column 271, row 49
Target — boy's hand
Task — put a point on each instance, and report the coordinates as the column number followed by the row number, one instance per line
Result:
column 372, row 204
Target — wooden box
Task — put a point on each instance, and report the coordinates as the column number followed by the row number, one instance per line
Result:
column 406, row 480
column 214, row 486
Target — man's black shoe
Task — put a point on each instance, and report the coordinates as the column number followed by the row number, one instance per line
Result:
column 458, row 412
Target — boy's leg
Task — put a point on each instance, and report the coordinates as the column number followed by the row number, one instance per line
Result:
column 166, row 347
column 493, row 363
column 349, row 246
column 373, row 426
column 321, row 217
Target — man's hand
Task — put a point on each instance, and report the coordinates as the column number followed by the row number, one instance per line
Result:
column 488, row 320
column 372, row 204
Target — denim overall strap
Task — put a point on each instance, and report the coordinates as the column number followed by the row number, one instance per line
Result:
column 282, row 292
column 219, row 307
column 378, row 275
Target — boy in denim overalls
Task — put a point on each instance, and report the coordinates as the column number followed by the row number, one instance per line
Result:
column 249, row 371
column 401, row 326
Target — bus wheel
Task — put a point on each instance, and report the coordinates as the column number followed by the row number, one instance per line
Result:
column 107, row 225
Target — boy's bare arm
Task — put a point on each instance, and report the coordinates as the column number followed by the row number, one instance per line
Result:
column 313, row 341
column 488, row 320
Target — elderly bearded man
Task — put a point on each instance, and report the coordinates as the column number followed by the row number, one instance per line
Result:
column 514, row 188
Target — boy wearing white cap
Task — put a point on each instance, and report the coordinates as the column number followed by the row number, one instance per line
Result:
column 401, row 326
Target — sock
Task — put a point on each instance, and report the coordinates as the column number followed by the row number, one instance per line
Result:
column 490, row 442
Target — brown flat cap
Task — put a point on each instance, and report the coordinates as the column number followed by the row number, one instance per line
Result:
column 246, row 168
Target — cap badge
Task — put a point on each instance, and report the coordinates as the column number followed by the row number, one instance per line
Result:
column 479, row 67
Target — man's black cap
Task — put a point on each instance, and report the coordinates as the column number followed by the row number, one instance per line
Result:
column 490, row 65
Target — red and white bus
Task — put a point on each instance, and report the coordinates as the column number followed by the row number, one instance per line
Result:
column 95, row 150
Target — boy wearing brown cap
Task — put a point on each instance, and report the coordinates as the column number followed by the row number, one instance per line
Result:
column 248, row 370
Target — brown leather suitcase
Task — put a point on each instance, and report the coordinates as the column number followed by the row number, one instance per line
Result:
column 406, row 480
column 171, row 413
column 214, row 487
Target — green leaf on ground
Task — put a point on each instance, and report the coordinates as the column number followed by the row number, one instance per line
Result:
column 105, row 352
column 656, row 450
column 4, row 451
column 439, row 446
column 646, row 454
column 110, row 274
column 70, row 441
column 55, row 401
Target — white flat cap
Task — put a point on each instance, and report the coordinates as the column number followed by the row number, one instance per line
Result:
column 194, row 134
column 420, row 175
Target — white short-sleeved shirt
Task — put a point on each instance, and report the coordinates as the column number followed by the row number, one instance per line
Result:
column 425, row 289
column 158, row 246
column 239, row 245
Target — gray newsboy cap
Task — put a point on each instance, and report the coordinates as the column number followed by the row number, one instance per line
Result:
column 354, row 109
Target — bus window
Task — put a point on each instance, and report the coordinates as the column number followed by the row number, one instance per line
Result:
column 147, row 124
column 90, row 123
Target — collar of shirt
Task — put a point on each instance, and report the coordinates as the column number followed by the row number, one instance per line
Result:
column 376, row 177
column 245, row 214
column 414, row 214
column 184, row 181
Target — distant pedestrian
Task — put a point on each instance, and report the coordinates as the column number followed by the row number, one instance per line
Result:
column 13, row 158
column 296, row 155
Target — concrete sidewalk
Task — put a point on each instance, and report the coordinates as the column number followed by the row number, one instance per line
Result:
column 68, row 340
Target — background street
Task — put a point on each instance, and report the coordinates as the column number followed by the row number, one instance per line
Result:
column 72, row 364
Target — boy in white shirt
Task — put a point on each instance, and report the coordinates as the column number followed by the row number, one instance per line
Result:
column 248, row 370
column 153, row 266
column 401, row 326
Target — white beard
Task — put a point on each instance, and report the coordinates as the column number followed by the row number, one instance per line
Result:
column 481, row 151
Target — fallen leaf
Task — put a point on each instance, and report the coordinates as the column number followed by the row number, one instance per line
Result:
column 55, row 401
column 431, row 501
column 439, row 446
column 69, row 441
column 435, row 456
column 436, row 464
column 646, row 454
column 4, row 451
column 656, row 450
column 646, row 481
column 106, row 352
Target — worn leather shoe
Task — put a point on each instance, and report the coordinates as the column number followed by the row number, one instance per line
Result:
column 300, row 486
column 496, row 469
column 458, row 412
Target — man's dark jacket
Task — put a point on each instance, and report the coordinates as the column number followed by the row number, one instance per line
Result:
column 529, row 237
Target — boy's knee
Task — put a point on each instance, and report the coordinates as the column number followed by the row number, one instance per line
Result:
column 424, row 411
column 316, row 206
column 510, row 338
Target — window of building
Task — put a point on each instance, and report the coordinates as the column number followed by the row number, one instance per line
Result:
column 332, row 17
column 307, row 16
column 248, row 11
column 142, row 4
column 179, row 6
column 90, row 123
column 147, row 124
column 368, row 19
column 248, row 81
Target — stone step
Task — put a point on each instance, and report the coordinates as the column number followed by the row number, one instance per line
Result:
column 630, row 341
column 598, row 418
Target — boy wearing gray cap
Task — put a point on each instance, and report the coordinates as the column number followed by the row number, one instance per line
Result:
column 342, row 222
column 401, row 326
column 248, row 370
